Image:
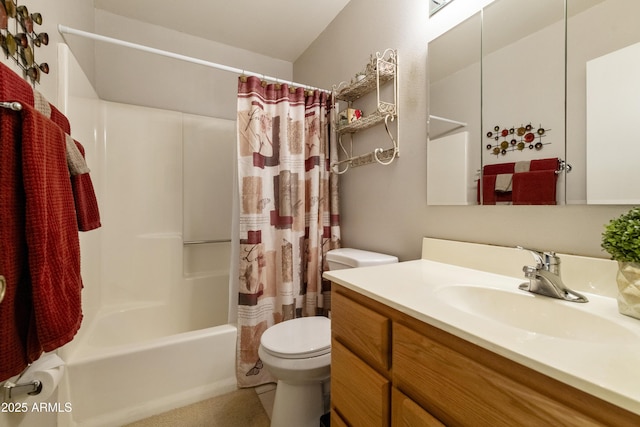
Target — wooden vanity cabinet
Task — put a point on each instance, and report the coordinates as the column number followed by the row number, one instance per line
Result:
column 390, row 369
column 360, row 355
column 407, row 413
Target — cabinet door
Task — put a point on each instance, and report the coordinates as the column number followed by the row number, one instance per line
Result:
column 361, row 330
column 336, row 420
column 407, row 413
column 460, row 391
column 358, row 393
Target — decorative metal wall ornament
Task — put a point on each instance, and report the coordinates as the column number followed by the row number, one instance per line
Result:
column 19, row 39
column 511, row 138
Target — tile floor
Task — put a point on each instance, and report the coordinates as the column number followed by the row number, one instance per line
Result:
column 267, row 394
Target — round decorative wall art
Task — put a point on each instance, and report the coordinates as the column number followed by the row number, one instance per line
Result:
column 511, row 138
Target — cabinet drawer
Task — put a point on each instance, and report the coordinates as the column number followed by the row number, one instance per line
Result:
column 359, row 394
column 407, row 413
column 460, row 391
column 362, row 330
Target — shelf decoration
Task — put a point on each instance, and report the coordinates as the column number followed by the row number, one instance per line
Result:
column 508, row 139
column 19, row 40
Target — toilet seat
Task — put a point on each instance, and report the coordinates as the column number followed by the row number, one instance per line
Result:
column 300, row 338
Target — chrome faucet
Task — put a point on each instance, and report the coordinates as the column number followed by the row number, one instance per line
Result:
column 544, row 278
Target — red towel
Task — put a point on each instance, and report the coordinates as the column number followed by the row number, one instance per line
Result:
column 488, row 190
column 39, row 246
column 498, row 168
column 535, row 188
column 51, row 232
column 544, row 164
column 489, row 193
column 87, row 212
column 489, row 173
column 15, row 88
column 15, row 309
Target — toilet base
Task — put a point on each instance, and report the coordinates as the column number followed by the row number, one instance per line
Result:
column 298, row 405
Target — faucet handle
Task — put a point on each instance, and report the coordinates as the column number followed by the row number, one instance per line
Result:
column 538, row 255
column 545, row 259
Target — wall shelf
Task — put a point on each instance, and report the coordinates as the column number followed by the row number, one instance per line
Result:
column 381, row 70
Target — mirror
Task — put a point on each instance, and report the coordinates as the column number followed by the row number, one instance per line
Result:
column 453, row 148
column 436, row 5
column 506, row 65
column 522, row 102
column 603, row 101
column 523, row 68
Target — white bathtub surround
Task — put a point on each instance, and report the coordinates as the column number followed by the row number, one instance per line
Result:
column 604, row 365
column 155, row 332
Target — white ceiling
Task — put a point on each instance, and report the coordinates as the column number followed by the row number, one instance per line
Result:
column 281, row 29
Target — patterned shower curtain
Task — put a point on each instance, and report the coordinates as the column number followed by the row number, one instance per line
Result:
column 288, row 212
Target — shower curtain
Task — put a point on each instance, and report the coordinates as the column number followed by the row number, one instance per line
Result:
column 288, row 213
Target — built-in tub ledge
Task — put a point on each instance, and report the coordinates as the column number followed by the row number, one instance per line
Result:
column 471, row 291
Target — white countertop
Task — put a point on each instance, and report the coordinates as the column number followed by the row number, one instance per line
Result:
column 609, row 370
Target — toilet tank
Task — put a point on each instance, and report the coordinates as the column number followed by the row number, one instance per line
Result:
column 342, row 258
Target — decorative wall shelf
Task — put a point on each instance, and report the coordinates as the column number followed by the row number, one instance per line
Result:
column 381, row 70
column 361, row 87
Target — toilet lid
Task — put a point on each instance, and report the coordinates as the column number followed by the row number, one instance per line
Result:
column 299, row 338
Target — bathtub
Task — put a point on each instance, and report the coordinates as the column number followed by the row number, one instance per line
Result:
column 111, row 382
column 133, row 360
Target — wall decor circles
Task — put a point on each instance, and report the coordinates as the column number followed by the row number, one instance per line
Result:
column 506, row 139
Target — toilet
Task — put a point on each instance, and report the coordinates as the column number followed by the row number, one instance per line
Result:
column 298, row 353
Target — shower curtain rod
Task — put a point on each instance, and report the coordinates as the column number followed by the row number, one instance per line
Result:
column 63, row 29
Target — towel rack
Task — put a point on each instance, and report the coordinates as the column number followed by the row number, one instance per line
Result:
column 563, row 166
column 15, row 106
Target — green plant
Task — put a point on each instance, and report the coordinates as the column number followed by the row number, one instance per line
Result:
column 621, row 238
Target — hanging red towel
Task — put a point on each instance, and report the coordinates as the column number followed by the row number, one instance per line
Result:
column 14, row 88
column 51, row 232
column 544, row 164
column 87, row 212
column 15, row 308
column 41, row 209
column 535, row 188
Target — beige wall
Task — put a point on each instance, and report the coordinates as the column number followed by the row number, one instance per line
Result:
column 384, row 208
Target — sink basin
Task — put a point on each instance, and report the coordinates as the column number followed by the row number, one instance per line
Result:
column 535, row 313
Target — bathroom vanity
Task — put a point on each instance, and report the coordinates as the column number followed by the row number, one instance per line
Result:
column 425, row 343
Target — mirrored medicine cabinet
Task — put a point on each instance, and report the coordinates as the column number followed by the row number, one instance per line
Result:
column 536, row 103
